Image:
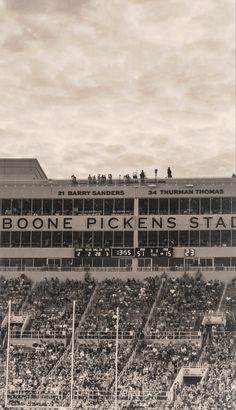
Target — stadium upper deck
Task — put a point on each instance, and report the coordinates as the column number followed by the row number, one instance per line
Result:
column 105, row 222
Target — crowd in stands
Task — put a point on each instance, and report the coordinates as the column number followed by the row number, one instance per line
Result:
column 50, row 305
column 218, row 390
column 14, row 289
column 147, row 368
column 29, row 366
column 229, row 305
column 154, row 369
column 94, row 364
column 134, row 299
column 183, row 304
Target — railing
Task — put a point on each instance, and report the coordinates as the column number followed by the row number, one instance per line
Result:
column 171, row 335
column 81, row 394
column 105, row 335
column 79, row 335
column 114, row 268
column 34, row 398
column 32, row 334
column 143, row 395
column 188, row 268
column 64, row 269
column 123, row 396
column 153, row 306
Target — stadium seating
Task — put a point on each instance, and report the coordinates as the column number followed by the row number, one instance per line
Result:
column 160, row 332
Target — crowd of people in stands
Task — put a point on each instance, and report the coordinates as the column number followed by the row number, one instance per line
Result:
column 229, row 305
column 183, row 303
column 50, row 305
column 218, row 390
column 14, row 289
column 94, row 363
column 147, row 366
column 30, row 365
column 154, row 368
column 134, row 299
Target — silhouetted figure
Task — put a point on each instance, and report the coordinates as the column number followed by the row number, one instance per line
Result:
column 73, row 179
column 169, row 172
column 127, row 178
column 142, row 175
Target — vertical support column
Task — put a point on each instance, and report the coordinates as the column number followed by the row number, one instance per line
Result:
column 72, row 357
column 116, row 362
column 213, row 263
column 136, row 212
column 8, row 351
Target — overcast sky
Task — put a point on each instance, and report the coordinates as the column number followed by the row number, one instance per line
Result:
column 116, row 86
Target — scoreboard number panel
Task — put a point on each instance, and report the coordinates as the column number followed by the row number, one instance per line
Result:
column 153, row 252
column 122, row 252
column 92, row 252
column 189, row 252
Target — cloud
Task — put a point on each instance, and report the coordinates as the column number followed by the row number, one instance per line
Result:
column 119, row 85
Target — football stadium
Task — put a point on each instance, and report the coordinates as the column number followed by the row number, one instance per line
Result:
column 116, row 293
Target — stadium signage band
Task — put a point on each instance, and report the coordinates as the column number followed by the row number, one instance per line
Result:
column 92, row 193
column 98, row 223
column 154, row 191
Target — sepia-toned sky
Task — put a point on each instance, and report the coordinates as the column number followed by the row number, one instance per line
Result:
column 116, row 86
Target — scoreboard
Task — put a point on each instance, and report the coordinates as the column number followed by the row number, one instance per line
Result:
column 92, row 252
column 152, row 252
column 123, row 252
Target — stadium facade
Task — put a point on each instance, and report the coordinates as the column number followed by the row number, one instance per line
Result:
column 132, row 222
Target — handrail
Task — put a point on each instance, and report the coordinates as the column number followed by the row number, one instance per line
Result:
column 32, row 334
column 170, row 335
column 86, row 393
column 114, row 269
column 80, row 335
column 188, row 268
column 64, row 269
column 145, row 329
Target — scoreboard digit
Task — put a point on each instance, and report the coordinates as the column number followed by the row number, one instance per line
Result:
column 189, row 252
column 152, row 252
column 92, row 252
column 122, row 252
column 126, row 252
column 140, row 252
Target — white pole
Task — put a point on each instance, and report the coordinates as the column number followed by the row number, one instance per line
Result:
column 116, row 367
column 8, row 351
column 72, row 357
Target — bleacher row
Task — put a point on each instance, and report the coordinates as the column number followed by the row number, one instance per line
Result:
column 161, row 331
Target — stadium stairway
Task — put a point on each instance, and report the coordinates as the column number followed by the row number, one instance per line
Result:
column 68, row 348
column 127, row 364
column 87, row 310
column 145, row 329
column 222, row 297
